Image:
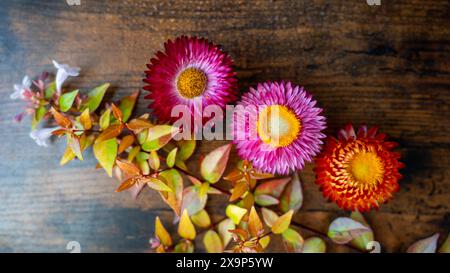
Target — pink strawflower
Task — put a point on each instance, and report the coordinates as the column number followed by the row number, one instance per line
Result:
column 190, row 71
column 280, row 127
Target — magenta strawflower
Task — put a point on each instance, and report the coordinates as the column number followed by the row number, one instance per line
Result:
column 189, row 70
column 279, row 129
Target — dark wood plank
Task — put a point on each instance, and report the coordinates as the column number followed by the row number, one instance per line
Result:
column 384, row 65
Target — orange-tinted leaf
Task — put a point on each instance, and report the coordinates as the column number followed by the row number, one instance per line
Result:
column 85, row 120
column 175, row 181
column 133, row 153
column 269, row 216
column 126, row 184
column 292, row 196
column 62, row 120
column 117, row 113
column 110, row 132
column 214, row 163
column 129, row 168
column 282, row 223
column 192, row 201
column 239, row 234
column 161, row 233
column 234, row 175
column 185, row 228
column 293, row 240
column 139, row 124
column 239, row 189
column 212, row 242
column 223, row 228
column 273, row 187
column 158, row 136
column 59, row 132
column 255, row 226
column 126, row 142
column 254, row 174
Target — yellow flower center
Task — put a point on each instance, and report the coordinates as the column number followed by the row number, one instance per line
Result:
column 191, row 83
column 278, row 126
column 366, row 167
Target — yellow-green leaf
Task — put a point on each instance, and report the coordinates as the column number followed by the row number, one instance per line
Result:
column 314, row 245
column 175, row 181
column 50, row 90
column 85, row 120
column 255, row 226
column 153, row 160
column 223, row 228
column 157, row 184
column 105, row 119
column 343, row 229
column 74, row 143
column 445, row 248
column 282, row 223
column 95, row 97
column 235, row 213
column 161, row 233
column 127, row 105
column 185, row 228
column 106, row 152
column 212, row 242
column 170, row 161
column 269, row 216
column 214, row 163
column 201, row 219
column 66, row 100
column 38, row 115
column 186, row 148
column 158, row 136
column 363, row 240
column 293, row 240
column 292, row 196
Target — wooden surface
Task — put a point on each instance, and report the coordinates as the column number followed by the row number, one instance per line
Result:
column 386, row 65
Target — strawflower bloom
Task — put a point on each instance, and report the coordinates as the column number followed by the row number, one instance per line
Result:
column 358, row 171
column 193, row 72
column 278, row 127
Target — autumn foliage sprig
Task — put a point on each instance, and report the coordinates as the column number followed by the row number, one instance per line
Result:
column 142, row 153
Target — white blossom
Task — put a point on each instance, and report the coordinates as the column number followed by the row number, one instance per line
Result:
column 64, row 71
column 21, row 88
column 41, row 136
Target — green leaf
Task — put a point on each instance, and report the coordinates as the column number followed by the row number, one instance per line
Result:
column 292, row 196
column 95, row 97
column 127, row 105
column 38, row 115
column 212, row 242
column 282, row 223
column 235, row 213
column 66, row 100
column 214, row 163
column 427, row 245
column 158, row 136
column 363, row 240
column 50, row 90
column 223, row 228
column 343, row 229
column 106, row 152
column 170, row 161
column 314, row 245
column 184, row 247
column 105, row 119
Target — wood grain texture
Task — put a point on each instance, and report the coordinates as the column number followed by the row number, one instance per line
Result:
column 386, row 65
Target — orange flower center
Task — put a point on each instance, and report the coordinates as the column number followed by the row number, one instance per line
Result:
column 191, row 83
column 366, row 167
column 278, row 126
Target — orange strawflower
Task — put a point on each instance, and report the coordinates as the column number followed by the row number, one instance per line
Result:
column 358, row 171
